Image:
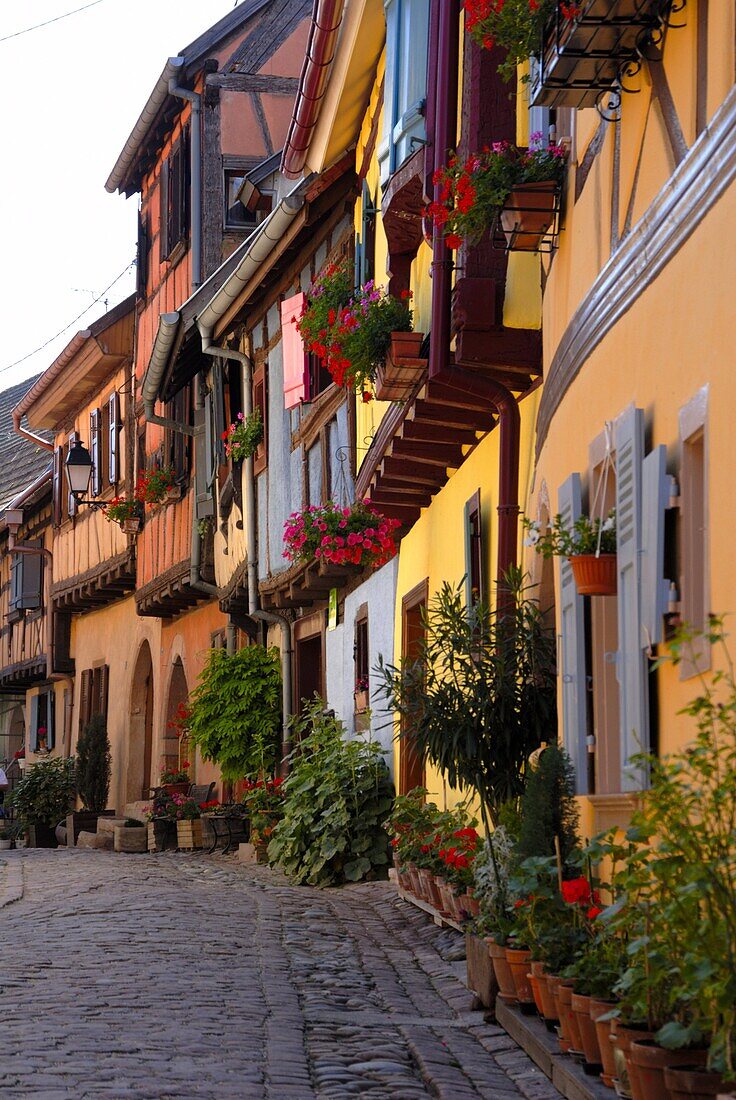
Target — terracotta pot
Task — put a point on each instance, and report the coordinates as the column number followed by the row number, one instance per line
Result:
column 432, row 890
column 518, row 959
column 473, row 903
column 650, row 1061
column 568, row 1019
column 398, row 377
column 692, row 1083
column 413, row 872
column 131, row 526
column 553, row 985
column 527, row 215
column 594, row 576
column 502, row 970
column 175, row 788
column 622, row 1037
column 603, row 1031
column 446, row 894
column 402, row 876
column 549, row 1009
column 588, row 1036
column 534, row 983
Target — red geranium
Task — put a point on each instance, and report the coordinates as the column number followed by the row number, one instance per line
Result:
column 576, row 891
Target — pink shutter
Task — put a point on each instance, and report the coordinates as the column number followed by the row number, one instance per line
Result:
column 293, row 351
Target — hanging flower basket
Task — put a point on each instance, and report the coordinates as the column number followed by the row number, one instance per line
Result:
column 357, row 535
column 528, row 215
column 403, row 370
column 131, row 526
column 594, row 576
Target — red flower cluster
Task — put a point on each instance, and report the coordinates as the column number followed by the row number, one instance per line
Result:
column 358, row 535
column 577, row 891
column 211, row 805
column 460, row 855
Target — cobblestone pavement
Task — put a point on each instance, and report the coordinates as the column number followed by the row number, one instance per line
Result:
column 193, row 976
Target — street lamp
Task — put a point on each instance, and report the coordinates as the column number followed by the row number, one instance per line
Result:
column 79, row 472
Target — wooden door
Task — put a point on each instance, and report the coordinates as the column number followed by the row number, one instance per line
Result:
column 413, row 609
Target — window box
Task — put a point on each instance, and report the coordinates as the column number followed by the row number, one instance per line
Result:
column 403, row 370
column 582, row 58
column 360, row 698
column 131, row 526
column 594, row 576
column 173, row 493
column 528, row 221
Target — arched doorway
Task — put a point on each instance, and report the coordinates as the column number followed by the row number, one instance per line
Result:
column 140, row 728
column 175, row 748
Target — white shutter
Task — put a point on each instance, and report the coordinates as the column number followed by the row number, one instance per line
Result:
column 572, row 647
column 631, row 661
column 390, row 89
column 655, row 494
column 411, row 77
column 205, row 505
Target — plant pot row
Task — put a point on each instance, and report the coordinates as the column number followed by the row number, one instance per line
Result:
column 627, row 1060
column 437, row 892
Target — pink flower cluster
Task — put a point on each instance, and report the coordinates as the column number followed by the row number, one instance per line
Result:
column 358, row 535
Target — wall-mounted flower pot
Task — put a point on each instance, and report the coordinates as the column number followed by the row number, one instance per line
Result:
column 649, row 1061
column 398, row 377
column 528, row 215
column 594, row 576
column 360, row 698
column 131, row 526
column 173, row 493
column 692, row 1083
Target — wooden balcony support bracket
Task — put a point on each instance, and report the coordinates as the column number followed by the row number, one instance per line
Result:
column 23, row 674
column 106, row 582
column 169, row 594
column 482, row 340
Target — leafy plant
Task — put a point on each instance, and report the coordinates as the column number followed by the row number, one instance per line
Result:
column 358, row 535
column 235, row 710
column 337, row 797
column 242, row 438
column 549, row 811
column 93, row 765
column 492, row 872
column 170, row 776
column 121, row 509
column 45, row 794
column 474, row 190
column 481, row 694
column 153, row 485
column 515, row 25
column 350, row 328
column 264, row 800
column 586, row 536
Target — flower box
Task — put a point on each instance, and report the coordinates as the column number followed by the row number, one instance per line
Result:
column 175, row 788
column 131, row 526
column 528, row 220
column 582, row 58
column 594, row 576
column 189, row 834
column 403, row 370
column 173, row 493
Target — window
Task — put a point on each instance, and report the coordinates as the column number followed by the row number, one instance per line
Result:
column 365, row 242
column 260, row 402
column 95, row 441
column 141, row 262
column 113, row 438
column 175, row 182
column 237, row 216
column 26, row 581
column 43, row 721
column 319, row 378
column 474, row 587
column 361, row 652
column 93, row 693
column 177, row 445
column 694, row 584
column 405, row 88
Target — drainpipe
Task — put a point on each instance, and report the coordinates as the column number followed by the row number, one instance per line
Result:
column 195, row 551
column 168, row 324
column 195, row 157
column 31, row 436
column 439, row 355
column 286, row 655
column 22, row 548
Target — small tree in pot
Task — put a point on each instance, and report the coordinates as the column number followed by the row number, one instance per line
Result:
column 44, row 796
column 92, row 775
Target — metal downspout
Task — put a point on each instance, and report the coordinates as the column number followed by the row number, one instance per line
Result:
column 441, row 325
column 37, row 439
column 195, row 158
column 195, row 552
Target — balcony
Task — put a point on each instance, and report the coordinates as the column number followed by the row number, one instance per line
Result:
column 582, row 59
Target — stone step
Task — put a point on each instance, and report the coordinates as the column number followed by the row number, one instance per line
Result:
column 95, row 840
column 137, row 810
column 106, row 825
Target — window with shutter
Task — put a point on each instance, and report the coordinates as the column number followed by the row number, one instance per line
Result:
column 693, row 530
column 85, row 698
column 218, row 412
column 95, row 421
column 30, row 595
column 474, row 589
column 113, row 430
column 16, row 581
column 632, row 661
column 656, row 491
column 405, row 85
column 293, row 353
column 142, row 255
column 57, row 487
column 260, row 402
column 175, row 195
column 205, row 505
column 50, row 718
column 572, row 645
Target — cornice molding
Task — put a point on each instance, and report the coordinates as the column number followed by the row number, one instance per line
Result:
column 691, row 192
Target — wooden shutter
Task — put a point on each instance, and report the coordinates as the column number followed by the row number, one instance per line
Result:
column 204, row 502
column 113, row 428
column 57, row 487
column 142, row 255
column 292, row 350
column 655, row 495
column 85, row 693
column 218, row 415
column 172, row 205
column 34, row 723
column 30, row 591
column 163, row 228
column 631, row 660
column 71, row 502
column 572, row 645
column 50, row 718
column 473, row 552
column 16, row 581
column 104, row 690
column 95, row 421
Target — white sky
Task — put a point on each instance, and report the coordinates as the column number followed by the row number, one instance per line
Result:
column 73, row 91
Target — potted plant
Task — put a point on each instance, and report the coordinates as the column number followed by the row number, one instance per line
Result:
column 6, row 837
column 361, row 695
column 491, row 870
column 243, row 438
column 516, row 189
column 187, row 814
column 92, row 778
column 43, row 797
column 157, row 485
column 264, row 803
column 358, row 333
column 176, row 780
column 356, row 535
column 131, row 837
column 589, row 546
column 127, row 512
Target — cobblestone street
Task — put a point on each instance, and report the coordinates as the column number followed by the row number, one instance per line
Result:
column 188, row 976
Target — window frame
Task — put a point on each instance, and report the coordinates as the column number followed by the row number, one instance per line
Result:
column 694, row 529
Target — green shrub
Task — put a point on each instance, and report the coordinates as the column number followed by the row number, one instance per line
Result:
column 235, row 711
column 93, row 765
column 549, row 809
column 45, row 794
column 338, row 796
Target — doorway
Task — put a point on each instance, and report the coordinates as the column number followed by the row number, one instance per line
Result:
column 176, row 749
column 413, row 632
column 137, row 781
column 309, row 677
